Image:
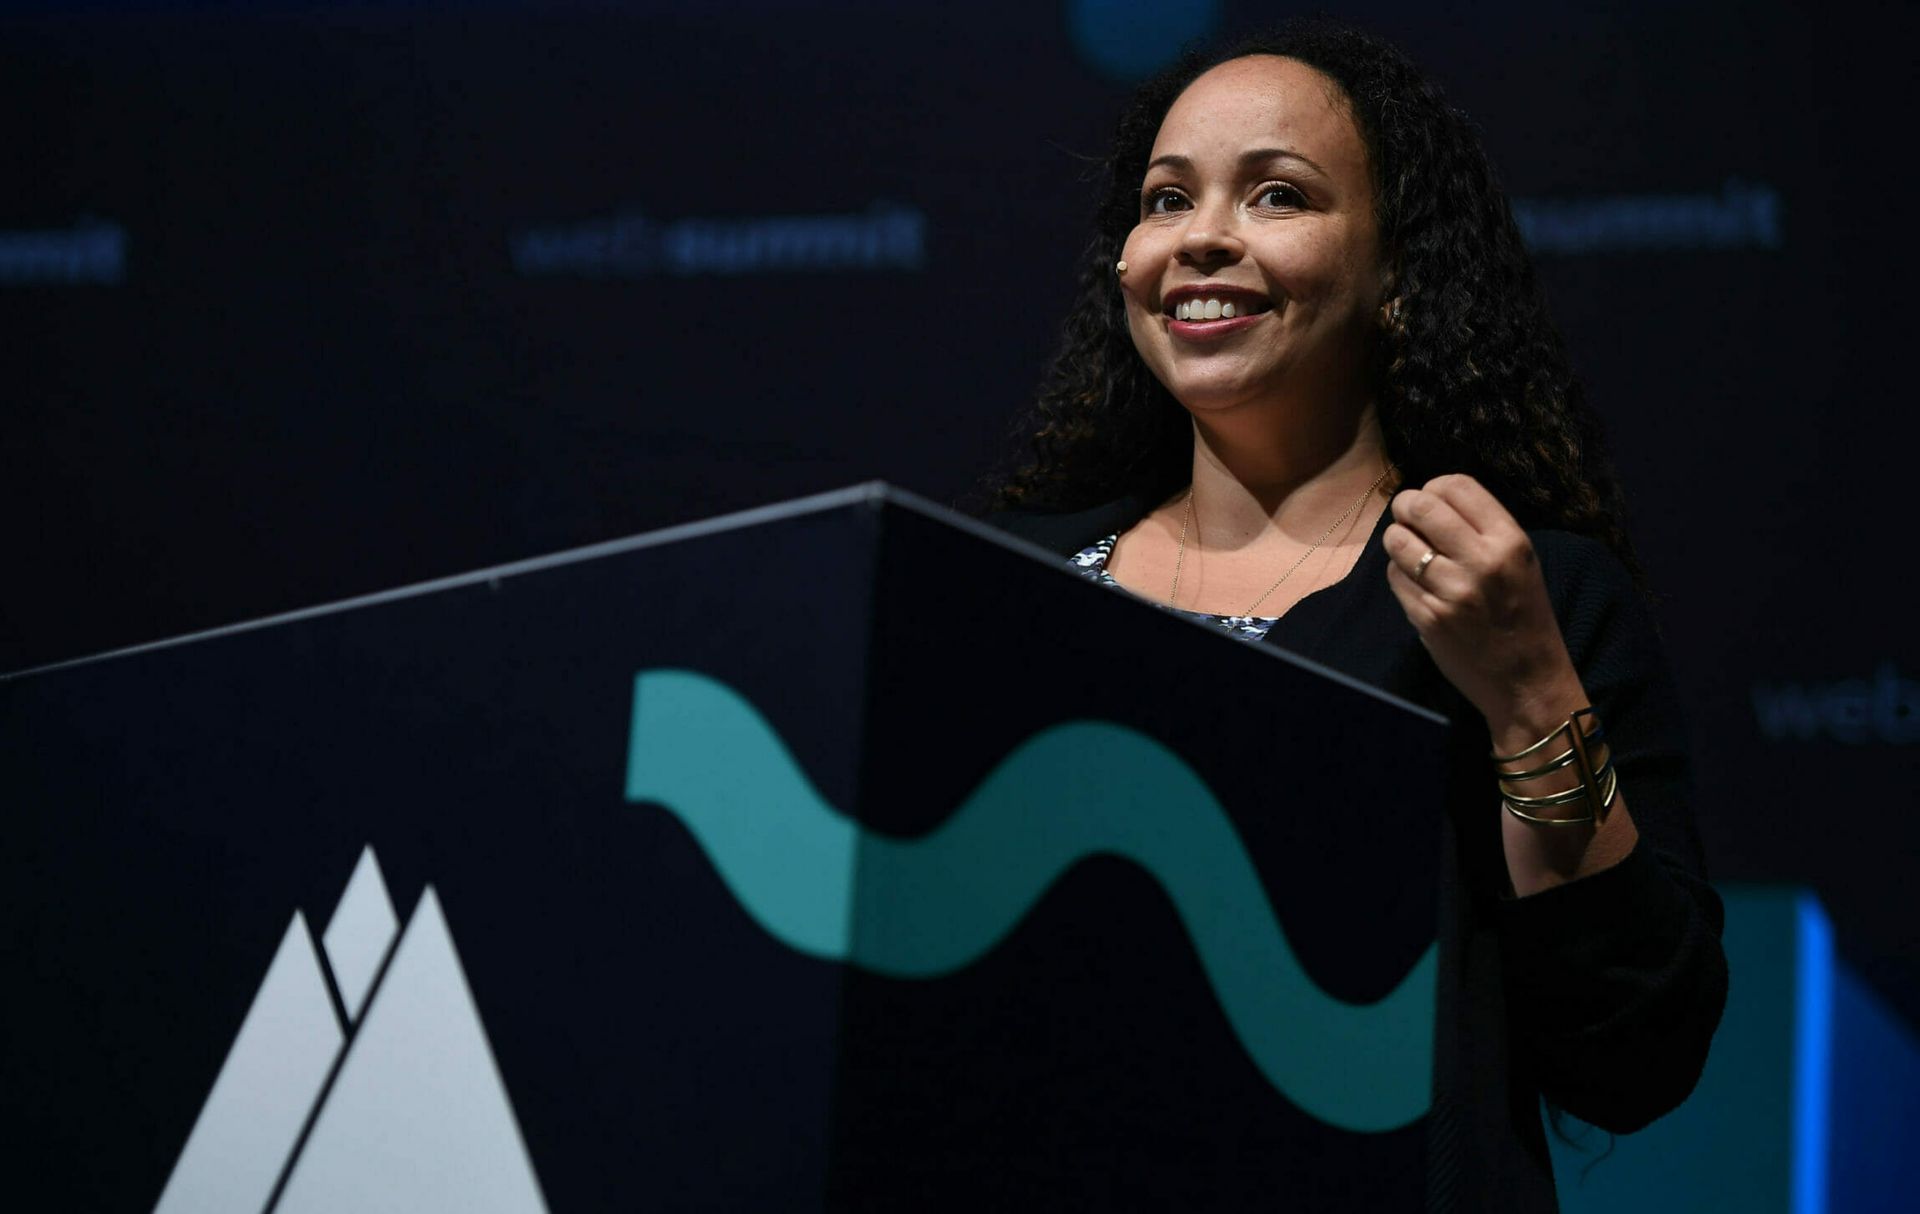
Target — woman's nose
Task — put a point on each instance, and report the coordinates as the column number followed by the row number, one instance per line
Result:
column 1212, row 236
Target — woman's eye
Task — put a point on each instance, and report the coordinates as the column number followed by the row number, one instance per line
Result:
column 1280, row 196
column 1161, row 201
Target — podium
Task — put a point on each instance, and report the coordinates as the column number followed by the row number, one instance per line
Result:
column 837, row 855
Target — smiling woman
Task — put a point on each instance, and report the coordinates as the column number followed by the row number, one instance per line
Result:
column 1257, row 199
column 1309, row 373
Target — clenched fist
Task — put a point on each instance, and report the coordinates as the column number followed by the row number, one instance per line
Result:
column 1480, row 605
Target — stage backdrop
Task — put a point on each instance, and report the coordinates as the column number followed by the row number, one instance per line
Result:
column 305, row 301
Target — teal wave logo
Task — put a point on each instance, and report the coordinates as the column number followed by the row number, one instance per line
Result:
column 932, row 905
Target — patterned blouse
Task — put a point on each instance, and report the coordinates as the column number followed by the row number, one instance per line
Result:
column 1092, row 564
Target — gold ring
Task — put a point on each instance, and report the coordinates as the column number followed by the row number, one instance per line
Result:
column 1421, row 569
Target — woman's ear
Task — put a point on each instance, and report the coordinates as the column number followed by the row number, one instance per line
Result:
column 1389, row 314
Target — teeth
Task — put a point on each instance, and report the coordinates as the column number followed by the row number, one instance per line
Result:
column 1206, row 309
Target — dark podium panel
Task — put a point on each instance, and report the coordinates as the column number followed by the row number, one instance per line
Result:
column 839, row 855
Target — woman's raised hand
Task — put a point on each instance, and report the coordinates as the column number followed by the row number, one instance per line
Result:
column 1480, row 605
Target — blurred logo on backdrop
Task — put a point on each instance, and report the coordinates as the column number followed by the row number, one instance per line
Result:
column 1129, row 40
column 1882, row 710
column 90, row 253
column 884, row 237
column 1743, row 215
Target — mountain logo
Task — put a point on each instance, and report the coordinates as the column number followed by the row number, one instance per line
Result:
column 361, row 1079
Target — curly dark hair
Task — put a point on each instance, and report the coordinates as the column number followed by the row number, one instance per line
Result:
column 1471, row 377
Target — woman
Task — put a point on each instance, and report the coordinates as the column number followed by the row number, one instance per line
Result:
column 1310, row 391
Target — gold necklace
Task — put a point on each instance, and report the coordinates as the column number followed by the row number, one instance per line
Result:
column 1186, row 521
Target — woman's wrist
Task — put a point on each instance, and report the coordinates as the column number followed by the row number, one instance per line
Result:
column 1525, row 718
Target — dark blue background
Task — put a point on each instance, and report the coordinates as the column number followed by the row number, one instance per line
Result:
column 267, row 342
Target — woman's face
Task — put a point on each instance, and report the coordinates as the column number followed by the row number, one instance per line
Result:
column 1254, row 275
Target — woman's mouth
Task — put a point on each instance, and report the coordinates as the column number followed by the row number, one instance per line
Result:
column 1203, row 315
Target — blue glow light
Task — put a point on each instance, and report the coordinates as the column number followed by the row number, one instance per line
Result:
column 1812, row 1055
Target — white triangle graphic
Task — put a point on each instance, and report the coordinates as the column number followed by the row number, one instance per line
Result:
column 416, row 1116
column 359, row 934
column 275, row 1071
column 418, row 1119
